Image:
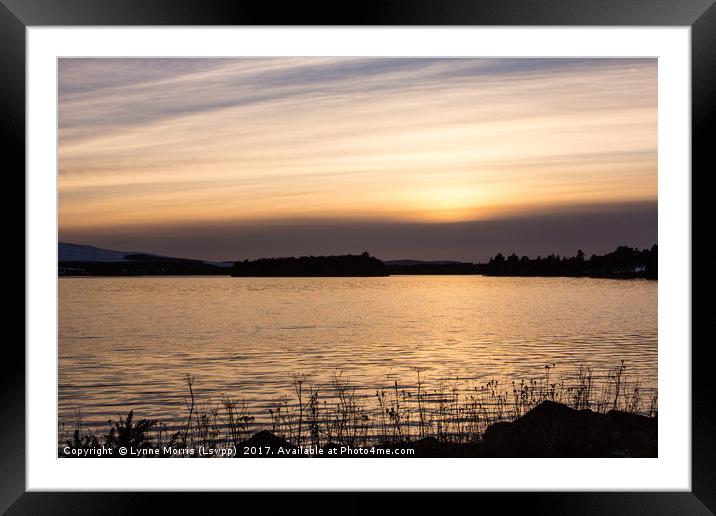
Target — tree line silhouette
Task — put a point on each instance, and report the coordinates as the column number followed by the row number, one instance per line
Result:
column 343, row 265
column 624, row 262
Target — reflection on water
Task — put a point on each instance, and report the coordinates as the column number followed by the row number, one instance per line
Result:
column 127, row 343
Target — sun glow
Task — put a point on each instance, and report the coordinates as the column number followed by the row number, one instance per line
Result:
column 147, row 143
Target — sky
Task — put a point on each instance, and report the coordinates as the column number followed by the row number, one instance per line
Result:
column 441, row 158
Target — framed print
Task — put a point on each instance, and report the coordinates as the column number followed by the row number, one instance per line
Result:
column 448, row 247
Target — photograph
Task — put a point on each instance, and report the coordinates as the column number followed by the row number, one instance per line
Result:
column 368, row 257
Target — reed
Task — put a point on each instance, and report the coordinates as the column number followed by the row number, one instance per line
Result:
column 455, row 410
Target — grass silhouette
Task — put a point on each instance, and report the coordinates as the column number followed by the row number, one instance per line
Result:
column 457, row 411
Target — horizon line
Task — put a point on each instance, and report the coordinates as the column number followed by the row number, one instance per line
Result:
column 505, row 254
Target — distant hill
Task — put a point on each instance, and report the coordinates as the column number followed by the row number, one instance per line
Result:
column 87, row 253
column 442, row 267
column 419, row 262
column 87, row 260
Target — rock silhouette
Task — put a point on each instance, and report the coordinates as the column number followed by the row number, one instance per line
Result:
column 555, row 430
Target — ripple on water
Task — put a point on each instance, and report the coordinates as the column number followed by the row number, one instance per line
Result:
column 128, row 343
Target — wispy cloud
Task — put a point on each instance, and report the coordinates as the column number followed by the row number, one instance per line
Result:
column 148, row 142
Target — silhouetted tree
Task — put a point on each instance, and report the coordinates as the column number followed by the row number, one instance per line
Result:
column 623, row 262
column 344, row 265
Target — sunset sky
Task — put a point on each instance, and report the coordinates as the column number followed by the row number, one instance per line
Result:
column 406, row 158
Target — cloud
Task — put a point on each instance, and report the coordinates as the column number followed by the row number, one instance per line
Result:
column 145, row 143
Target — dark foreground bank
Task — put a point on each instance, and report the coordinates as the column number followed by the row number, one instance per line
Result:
column 549, row 430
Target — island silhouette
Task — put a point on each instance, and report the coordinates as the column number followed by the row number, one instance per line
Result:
column 338, row 265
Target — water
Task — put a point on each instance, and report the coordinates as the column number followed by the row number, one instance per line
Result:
column 127, row 343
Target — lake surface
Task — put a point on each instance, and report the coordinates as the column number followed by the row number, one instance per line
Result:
column 127, row 343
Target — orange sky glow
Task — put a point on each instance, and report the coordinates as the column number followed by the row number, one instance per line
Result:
column 155, row 142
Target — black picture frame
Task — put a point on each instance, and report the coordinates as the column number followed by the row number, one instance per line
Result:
column 17, row 15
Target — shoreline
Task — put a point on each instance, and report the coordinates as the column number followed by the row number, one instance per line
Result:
column 622, row 263
column 615, row 277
